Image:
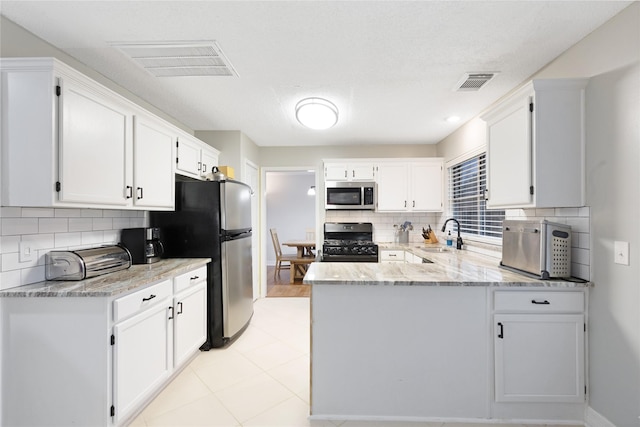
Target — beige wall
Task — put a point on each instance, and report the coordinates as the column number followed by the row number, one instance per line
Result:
column 309, row 156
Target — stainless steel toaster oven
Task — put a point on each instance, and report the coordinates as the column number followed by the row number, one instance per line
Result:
column 86, row 263
column 539, row 248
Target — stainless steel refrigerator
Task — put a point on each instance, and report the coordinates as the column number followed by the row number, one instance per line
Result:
column 213, row 219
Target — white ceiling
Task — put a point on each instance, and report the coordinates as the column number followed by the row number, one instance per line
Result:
column 389, row 66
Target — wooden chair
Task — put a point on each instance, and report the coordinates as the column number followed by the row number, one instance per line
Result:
column 280, row 258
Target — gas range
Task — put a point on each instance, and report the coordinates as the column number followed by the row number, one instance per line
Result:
column 349, row 242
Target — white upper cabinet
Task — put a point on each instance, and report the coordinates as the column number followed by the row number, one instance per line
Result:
column 194, row 158
column 94, row 146
column 355, row 171
column 70, row 142
column 153, row 158
column 410, row 186
column 535, row 146
column 208, row 158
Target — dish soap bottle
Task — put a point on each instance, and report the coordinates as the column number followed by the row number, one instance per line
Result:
column 449, row 240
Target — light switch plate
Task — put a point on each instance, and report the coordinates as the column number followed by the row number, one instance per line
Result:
column 621, row 252
column 27, row 253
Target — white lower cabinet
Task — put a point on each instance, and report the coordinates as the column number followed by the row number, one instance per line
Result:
column 190, row 327
column 97, row 360
column 141, row 356
column 539, row 353
column 539, row 358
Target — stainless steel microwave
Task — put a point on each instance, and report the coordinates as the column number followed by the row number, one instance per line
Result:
column 352, row 195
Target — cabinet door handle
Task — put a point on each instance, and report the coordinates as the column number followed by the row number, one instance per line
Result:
column 345, row 174
column 545, row 302
column 194, row 278
column 204, row 167
column 141, row 193
column 405, row 203
column 486, row 194
column 179, row 308
column 149, row 298
column 171, row 315
column 414, row 203
column 353, row 173
column 129, row 192
column 501, row 333
column 200, row 166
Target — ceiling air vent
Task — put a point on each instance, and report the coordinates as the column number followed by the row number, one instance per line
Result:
column 179, row 59
column 473, row 81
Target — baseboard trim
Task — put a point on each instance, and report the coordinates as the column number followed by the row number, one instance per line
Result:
column 593, row 419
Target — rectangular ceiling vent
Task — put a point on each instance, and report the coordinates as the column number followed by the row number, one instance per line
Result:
column 473, row 81
column 179, row 59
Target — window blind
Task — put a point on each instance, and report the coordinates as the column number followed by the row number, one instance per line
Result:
column 467, row 182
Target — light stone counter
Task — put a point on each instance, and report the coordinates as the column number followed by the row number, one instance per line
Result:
column 111, row 284
column 449, row 268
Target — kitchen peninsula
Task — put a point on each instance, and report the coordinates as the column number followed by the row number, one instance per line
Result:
column 457, row 339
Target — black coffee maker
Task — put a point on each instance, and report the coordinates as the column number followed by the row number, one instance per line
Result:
column 144, row 244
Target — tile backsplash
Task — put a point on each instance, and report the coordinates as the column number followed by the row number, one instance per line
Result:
column 49, row 229
column 577, row 218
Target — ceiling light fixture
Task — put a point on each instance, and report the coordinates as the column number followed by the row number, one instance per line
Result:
column 316, row 113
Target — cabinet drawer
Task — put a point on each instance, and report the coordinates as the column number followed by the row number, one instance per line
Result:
column 140, row 300
column 539, row 301
column 189, row 278
column 392, row 255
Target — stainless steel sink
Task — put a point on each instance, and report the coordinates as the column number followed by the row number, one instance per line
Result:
column 428, row 249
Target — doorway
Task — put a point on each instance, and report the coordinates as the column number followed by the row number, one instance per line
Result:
column 290, row 206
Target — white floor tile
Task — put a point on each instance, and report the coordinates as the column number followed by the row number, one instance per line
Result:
column 294, row 375
column 224, row 369
column 252, row 338
column 271, row 355
column 184, row 389
column 253, row 396
column 292, row 412
column 207, row 411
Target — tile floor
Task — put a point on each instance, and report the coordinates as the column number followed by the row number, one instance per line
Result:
column 260, row 380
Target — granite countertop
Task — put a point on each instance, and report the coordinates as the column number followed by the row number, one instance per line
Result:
column 111, row 284
column 449, row 268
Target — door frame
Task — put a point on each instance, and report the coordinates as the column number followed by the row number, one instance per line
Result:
column 264, row 237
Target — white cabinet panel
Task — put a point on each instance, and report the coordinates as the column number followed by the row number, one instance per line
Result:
column 509, row 140
column 190, row 327
column 142, row 358
column 410, row 186
column 393, row 187
column 188, row 155
column 95, row 136
column 355, row 171
column 153, row 164
column 208, row 159
column 535, row 146
column 539, row 358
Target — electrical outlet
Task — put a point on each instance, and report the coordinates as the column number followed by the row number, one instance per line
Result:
column 621, row 252
column 27, row 253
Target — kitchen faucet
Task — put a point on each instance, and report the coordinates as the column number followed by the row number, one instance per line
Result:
column 459, row 239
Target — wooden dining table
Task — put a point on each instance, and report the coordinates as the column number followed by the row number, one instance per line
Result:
column 304, row 249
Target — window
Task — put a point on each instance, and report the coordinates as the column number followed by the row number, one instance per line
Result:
column 467, row 182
